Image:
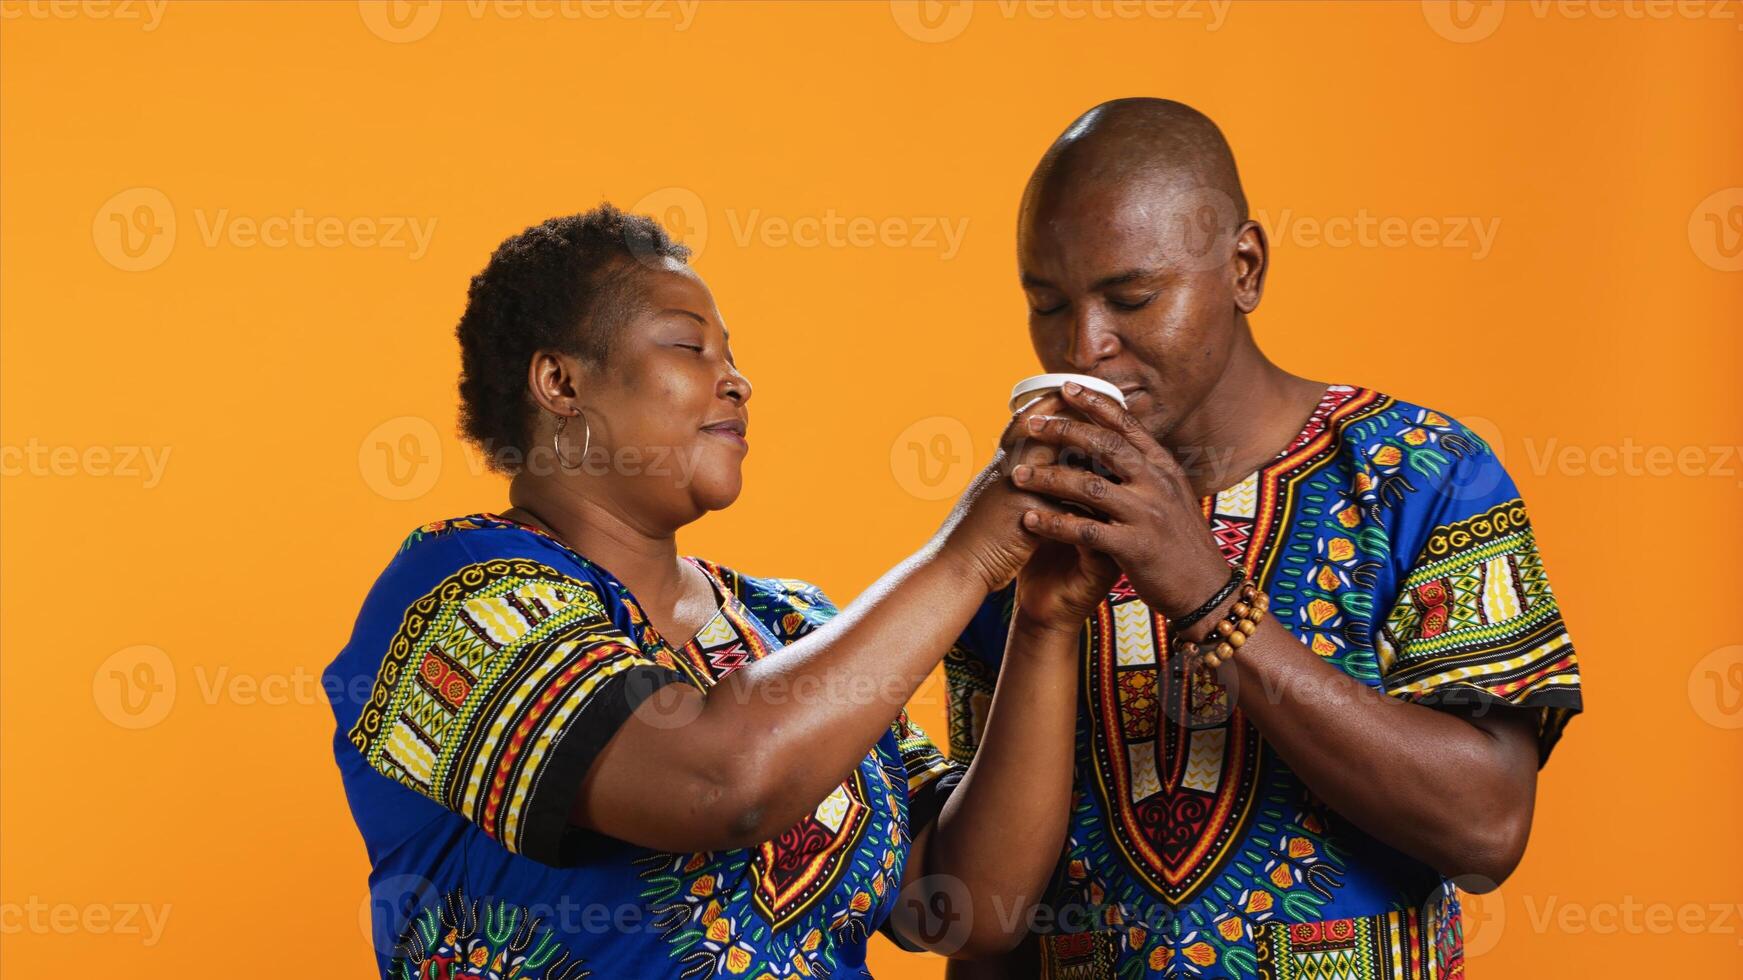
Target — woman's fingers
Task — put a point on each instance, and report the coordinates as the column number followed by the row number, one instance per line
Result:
column 1070, row 528
column 1073, row 484
column 1103, row 445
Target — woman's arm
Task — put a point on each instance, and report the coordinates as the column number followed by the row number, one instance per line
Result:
column 734, row 767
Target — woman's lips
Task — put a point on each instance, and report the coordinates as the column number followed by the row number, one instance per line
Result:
column 732, row 429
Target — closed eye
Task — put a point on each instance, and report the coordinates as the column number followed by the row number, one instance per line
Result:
column 1047, row 312
column 698, row 348
column 1131, row 304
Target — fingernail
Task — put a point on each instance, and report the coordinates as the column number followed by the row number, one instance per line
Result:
column 1036, row 422
column 1073, row 388
column 1031, row 519
column 1021, row 473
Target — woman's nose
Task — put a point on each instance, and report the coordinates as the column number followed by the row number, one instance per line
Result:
column 736, row 387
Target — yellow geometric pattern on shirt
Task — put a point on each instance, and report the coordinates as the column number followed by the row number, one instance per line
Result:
column 1134, row 641
column 1477, row 614
column 1498, row 590
column 920, row 757
column 1204, row 760
column 487, row 619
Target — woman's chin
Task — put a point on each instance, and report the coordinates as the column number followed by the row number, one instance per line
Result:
column 716, row 491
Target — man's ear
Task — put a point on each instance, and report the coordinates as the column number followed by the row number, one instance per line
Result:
column 1252, row 261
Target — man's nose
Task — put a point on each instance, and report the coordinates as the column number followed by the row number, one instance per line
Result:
column 1091, row 342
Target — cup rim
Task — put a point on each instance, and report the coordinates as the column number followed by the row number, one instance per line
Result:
column 1047, row 382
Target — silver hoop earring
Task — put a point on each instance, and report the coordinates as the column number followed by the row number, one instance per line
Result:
column 557, row 437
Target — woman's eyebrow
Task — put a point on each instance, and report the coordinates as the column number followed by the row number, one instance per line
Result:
column 699, row 318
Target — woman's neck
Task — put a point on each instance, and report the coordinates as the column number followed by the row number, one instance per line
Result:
column 645, row 559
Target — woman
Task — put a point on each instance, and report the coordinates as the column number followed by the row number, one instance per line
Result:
column 582, row 753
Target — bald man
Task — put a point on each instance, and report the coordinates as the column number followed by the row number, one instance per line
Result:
column 1304, row 807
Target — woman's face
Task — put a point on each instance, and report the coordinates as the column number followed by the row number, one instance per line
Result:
column 668, row 408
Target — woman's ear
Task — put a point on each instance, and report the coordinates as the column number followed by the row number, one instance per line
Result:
column 553, row 381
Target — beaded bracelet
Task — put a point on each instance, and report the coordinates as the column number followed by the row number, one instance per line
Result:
column 1220, row 644
column 1237, row 575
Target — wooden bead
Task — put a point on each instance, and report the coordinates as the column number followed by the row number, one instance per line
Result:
column 1224, row 651
column 1211, row 660
column 1242, row 608
column 1236, row 639
column 1258, row 615
column 1246, row 627
column 1224, row 628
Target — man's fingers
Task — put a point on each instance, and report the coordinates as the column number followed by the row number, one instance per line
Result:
column 1103, row 445
column 1104, row 411
column 1071, row 483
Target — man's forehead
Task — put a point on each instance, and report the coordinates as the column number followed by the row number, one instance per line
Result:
column 1126, row 222
column 1119, row 225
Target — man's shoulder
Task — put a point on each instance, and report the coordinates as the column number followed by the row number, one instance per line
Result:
column 790, row 606
column 1373, row 421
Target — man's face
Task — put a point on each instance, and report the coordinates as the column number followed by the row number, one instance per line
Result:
column 1133, row 282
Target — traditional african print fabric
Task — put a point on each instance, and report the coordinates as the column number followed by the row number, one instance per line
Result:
column 1393, row 545
column 490, row 666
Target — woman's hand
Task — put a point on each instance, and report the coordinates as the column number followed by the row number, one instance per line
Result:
column 1061, row 585
column 1150, row 521
column 985, row 529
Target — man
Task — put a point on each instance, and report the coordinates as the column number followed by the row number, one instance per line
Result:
column 1304, row 808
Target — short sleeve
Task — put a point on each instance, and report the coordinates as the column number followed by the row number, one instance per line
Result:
column 931, row 776
column 971, row 671
column 496, row 693
column 1475, row 621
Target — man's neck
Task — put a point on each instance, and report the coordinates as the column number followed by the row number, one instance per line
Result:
column 1251, row 413
column 644, row 559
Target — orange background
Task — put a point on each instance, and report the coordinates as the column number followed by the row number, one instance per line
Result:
column 1604, row 153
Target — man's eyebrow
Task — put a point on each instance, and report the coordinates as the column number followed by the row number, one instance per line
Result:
column 1120, row 279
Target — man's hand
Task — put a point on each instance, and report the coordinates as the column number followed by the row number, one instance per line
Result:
column 1148, row 518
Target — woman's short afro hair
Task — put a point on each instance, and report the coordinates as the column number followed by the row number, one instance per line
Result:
column 564, row 285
